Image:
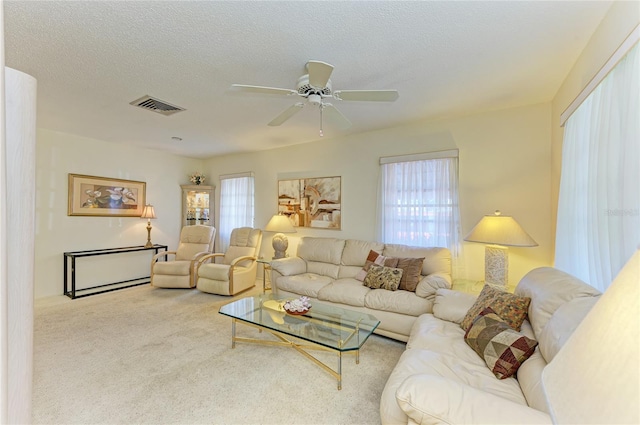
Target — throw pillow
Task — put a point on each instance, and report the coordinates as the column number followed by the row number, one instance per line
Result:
column 411, row 269
column 375, row 258
column 502, row 348
column 511, row 308
column 381, row 277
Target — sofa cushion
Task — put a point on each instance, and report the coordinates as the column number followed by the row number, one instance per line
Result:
column 452, row 305
column 548, row 289
column 289, row 266
column 530, row 379
column 381, row 277
column 428, row 285
column 562, row 324
column 214, row 271
column 401, row 302
column 324, row 250
column 355, row 252
column 429, row 399
column 436, row 260
column 324, row 269
column 474, row 374
column 344, row 291
column 411, row 269
column 174, row 268
column 303, row 284
column 501, row 347
column 375, row 258
column 511, row 308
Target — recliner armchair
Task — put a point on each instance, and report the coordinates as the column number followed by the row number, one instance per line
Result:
column 239, row 267
column 195, row 242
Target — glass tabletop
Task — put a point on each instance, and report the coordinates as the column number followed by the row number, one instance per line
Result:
column 327, row 325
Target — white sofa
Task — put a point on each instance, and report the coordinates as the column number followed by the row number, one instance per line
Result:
column 324, row 269
column 439, row 379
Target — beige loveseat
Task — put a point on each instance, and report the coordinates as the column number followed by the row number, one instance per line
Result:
column 439, row 379
column 324, row 269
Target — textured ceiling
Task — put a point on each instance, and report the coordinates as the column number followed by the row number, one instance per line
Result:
column 91, row 58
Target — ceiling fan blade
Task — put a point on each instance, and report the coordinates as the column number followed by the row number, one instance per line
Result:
column 319, row 73
column 286, row 114
column 336, row 116
column 367, row 95
column 262, row 90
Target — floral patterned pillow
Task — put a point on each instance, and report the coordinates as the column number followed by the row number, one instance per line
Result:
column 381, row 277
column 511, row 308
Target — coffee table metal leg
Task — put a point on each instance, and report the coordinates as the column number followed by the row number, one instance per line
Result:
column 233, row 333
column 339, row 370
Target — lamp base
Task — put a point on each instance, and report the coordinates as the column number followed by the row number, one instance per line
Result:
column 496, row 265
column 148, row 244
column 280, row 244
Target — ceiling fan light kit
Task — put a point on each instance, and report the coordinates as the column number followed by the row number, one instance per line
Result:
column 315, row 87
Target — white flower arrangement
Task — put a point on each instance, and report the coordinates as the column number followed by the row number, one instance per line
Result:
column 197, row 178
column 299, row 305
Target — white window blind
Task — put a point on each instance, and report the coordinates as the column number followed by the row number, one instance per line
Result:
column 419, row 200
column 598, row 225
column 236, row 204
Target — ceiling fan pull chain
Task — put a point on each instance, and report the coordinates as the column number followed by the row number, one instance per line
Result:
column 321, row 108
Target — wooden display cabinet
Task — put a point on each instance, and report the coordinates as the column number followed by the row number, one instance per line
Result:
column 197, row 205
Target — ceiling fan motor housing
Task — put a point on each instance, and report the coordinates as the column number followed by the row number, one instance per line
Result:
column 305, row 89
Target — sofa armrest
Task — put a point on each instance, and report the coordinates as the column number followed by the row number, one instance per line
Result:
column 451, row 305
column 289, row 266
column 429, row 399
column 429, row 284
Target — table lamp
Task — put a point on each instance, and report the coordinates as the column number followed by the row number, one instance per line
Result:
column 499, row 232
column 280, row 223
column 148, row 212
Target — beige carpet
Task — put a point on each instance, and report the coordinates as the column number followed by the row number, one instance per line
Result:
column 158, row 356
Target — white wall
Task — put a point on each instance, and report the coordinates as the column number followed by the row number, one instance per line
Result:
column 57, row 155
column 504, row 164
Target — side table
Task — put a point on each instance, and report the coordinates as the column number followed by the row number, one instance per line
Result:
column 266, row 266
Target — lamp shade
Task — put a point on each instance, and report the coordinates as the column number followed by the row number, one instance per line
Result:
column 148, row 212
column 500, row 229
column 279, row 224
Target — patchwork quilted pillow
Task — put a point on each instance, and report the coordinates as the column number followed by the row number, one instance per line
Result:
column 381, row 277
column 375, row 258
column 511, row 308
column 502, row 348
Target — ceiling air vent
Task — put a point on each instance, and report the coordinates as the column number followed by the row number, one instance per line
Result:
column 156, row 105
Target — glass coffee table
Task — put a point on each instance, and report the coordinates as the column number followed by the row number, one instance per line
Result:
column 323, row 327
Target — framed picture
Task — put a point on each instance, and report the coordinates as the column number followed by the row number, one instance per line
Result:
column 105, row 197
column 313, row 202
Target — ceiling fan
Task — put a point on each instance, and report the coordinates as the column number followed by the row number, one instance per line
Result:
column 316, row 88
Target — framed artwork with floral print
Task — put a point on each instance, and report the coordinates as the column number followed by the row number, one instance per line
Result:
column 105, row 197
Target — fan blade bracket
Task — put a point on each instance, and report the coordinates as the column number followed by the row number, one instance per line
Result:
column 366, row 95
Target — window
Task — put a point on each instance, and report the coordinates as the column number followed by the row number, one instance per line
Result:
column 419, row 200
column 598, row 226
column 236, row 205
